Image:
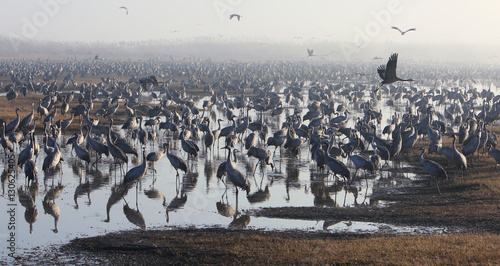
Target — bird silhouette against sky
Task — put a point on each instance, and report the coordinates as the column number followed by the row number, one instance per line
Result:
column 388, row 73
column 403, row 32
column 235, row 15
column 310, row 52
column 126, row 9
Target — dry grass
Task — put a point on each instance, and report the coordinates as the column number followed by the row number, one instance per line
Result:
column 252, row 247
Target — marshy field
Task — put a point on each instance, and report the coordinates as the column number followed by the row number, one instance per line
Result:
column 323, row 193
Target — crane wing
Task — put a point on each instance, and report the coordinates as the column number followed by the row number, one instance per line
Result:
column 126, row 9
column 390, row 71
column 412, row 29
column 381, row 71
column 396, row 28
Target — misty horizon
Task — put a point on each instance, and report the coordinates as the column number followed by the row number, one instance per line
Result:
column 212, row 49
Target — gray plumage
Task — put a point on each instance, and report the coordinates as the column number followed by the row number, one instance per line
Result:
column 337, row 167
column 495, row 153
column 6, row 143
column 133, row 175
column 251, row 140
column 26, row 121
column 81, row 152
column 361, row 163
column 471, row 144
column 189, row 146
column 13, row 125
column 175, row 161
column 236, row 177
column 432, row 167
column 263, row 155
column 155, row 156
column 118, row 155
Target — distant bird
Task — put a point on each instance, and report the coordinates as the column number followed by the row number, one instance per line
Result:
column 310, row 52
column 403, row 32
column 118, row 155
column 11, row 95
column 126, row 9
column 236, row 16
column 149, row 80
column 388, row 73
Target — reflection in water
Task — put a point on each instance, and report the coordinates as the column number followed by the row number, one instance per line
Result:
column 49, row 205
column 209, row 171
column 225, row 209
column 98, row 181
column 117, row 193
column 4, row 180
column 259, row 196
column 239, row 222
column 177, row 202
column 82, row 189
column 155, row 194
column 134, row 216
column 76, row 167
column 328, row 223
column 322, row 195
column 27, row 200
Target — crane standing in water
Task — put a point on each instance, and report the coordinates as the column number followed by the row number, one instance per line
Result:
column 236, row 177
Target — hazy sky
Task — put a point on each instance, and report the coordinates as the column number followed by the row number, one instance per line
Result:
column 356, row 21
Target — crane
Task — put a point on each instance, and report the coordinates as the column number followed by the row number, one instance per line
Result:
column 175, row 161
column 236, row 177
column 119, row 156
column 133, row 175
column 388, row 72
column 433, row 168
column 235, row 16
column 153, row 157
column 403, row 32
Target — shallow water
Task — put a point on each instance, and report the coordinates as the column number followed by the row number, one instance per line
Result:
column 85, row 195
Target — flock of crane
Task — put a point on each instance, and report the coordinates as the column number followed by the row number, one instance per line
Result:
column 325, row 134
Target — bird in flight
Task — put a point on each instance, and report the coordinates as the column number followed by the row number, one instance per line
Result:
column 310, row 52
column 126, row 9
column 235, row 15
column 403, row 32
column 388, row 73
